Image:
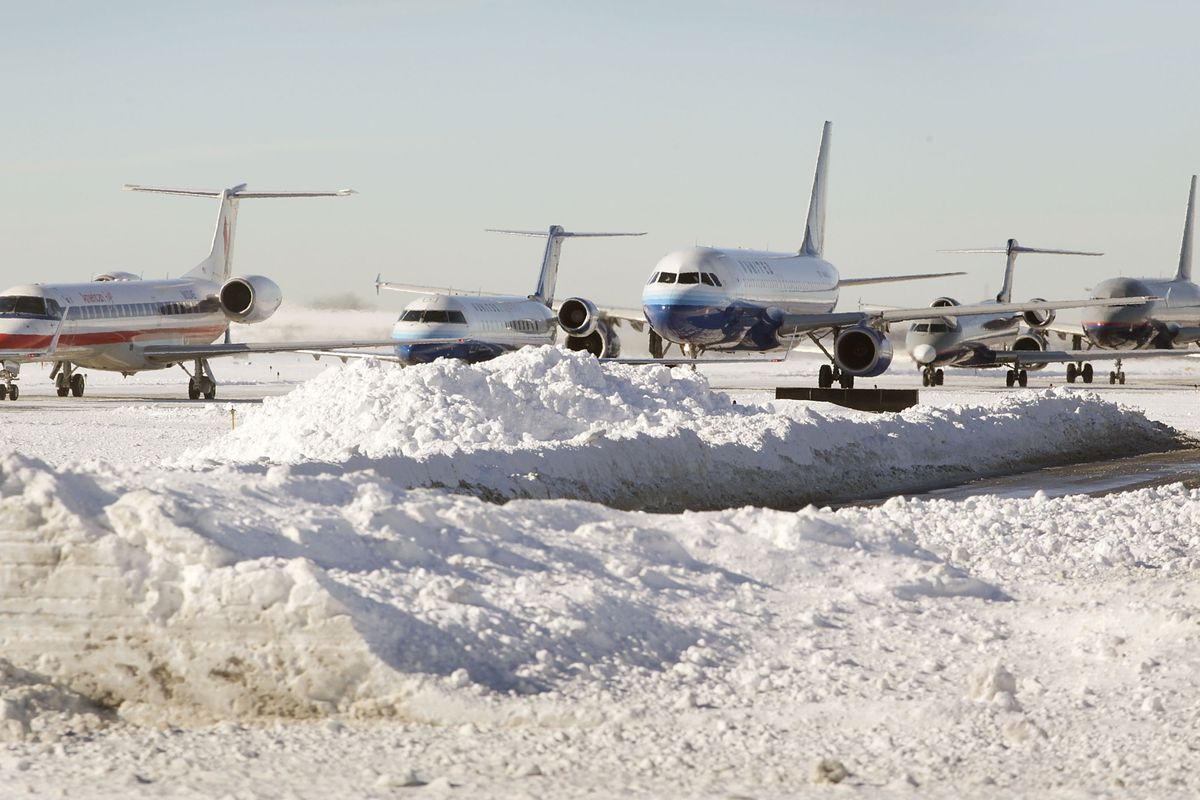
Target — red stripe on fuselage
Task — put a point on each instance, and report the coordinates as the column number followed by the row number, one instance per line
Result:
column 19, row 341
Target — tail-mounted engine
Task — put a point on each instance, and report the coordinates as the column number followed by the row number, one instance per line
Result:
column 1037, row 318
column 862, row 352
column 942, row 302
column 1030, row 343
column 250, row 299
column 587, row 330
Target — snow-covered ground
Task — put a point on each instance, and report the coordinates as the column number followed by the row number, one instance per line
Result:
column 275, row 611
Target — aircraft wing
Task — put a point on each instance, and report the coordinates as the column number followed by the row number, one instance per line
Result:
column 931, row 312
column 1062, row 356
column 346, row 355
column 895, row 278
column 170, row 353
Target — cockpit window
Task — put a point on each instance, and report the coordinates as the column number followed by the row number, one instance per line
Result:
column 434, row 315
column 939, row 327
column 689, row 277
column 921, row 327
column 17, row 305
column 666, row 277
column 653, row 279
column 716, row 281
column 706, row 279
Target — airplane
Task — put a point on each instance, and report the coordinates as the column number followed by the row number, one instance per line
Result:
column 996, row 332
column 708, row 298
column 1161, row 326
column 121, row 323
column 446, row 323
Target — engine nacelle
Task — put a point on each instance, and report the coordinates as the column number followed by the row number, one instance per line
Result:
column 115, row 275
column 1036, row 318
column 1030, row 343
column 942, row 302
column 602, row 341
column 252, row 298
column 578, row 317
column 862, row 352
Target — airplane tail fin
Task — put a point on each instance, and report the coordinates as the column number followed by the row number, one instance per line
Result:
column 548, row 277
column 1012, row 249
column 1185, row 250
column 814, row 232
column 218, row 266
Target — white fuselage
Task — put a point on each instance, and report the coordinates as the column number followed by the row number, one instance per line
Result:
column 471, row 327
column 108, row 323
column 732, row 299
column 964, row 341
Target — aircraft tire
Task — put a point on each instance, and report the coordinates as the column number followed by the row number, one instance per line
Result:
column 1071, row 373
column 846, row 381
column 924, row 378
column 63, row 391
column 1023, row 378
column 77, row 385
column 825, row 376
column 939, row 377
column 193, row 389
column 1112, row 377
column 1010, row 379
column 211, row 394
column 1121, row 378
column 1087, row 373
column 14, row 392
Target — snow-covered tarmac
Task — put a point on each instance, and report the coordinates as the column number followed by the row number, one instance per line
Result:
column 272, row 612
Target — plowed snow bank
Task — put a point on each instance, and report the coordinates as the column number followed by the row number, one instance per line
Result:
column 544, row 423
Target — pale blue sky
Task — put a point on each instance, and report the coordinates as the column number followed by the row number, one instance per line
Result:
column 956, row 124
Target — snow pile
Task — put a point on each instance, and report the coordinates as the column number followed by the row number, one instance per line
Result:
column 35, row 708
column 544, row 423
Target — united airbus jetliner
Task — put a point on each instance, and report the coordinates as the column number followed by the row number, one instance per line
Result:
column 708, row 298
column 121, row 323
column 445, row 323
column 995, row 332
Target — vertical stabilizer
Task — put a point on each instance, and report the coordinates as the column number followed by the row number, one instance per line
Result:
column 219, row 264
column 814, row 232
column 1011, row 250
column 548, row 276
column 1185, row 250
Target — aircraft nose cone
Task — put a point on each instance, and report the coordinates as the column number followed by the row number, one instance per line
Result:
column 923, row 354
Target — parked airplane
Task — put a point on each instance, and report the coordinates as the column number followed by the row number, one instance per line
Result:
column 708, row 298
column 446, row 323
column 121, row 323
column 1169, row 322
column 995, row 333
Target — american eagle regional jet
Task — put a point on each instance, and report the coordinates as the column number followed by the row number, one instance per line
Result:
column 120, row 323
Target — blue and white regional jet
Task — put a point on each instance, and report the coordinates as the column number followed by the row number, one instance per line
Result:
column 445, row 323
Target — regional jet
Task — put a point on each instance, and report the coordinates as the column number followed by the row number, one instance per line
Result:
column 996, row 332
column 121, row 323
column 445, row 323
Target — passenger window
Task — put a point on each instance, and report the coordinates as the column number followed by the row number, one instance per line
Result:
column 666, row 277
column 689, row 277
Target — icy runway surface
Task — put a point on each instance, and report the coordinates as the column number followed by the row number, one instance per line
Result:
column 280, row 615
column 544, row 423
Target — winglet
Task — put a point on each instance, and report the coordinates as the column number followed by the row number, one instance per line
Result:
column 814, row 231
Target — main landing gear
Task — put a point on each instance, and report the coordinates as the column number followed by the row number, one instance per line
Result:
column 1084, row 372
column 1016, row 377
column 67, row 380
column 830, row 373
column 9, row 370
column 932, row 377
column 201, row 381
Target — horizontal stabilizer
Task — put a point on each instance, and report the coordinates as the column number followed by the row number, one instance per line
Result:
column 238, row 191
column 562, row 234
column 1063, row 356
column 170, row 354
column 896, row 278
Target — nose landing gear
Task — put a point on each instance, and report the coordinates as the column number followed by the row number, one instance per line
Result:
column 932, row 377
column 1117, row 375
column 830, row 373
column 9, row 370
column 1016, row 377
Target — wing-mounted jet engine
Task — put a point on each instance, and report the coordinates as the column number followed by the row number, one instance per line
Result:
column 587, row 328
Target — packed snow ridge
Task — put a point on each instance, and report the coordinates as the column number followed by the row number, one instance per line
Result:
column 885, row 636
column 546, row 423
